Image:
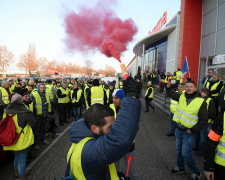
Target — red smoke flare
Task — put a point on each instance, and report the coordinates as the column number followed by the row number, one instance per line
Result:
column 98, row 28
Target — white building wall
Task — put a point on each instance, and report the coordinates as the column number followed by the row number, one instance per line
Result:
column 172, row 49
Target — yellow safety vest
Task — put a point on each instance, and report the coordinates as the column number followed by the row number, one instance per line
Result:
column 79, row 92
column 206, row 81
column 178, row 75
column 64, row 99
column 116, row 87
column 107, row 94
column 12, row 87
column 114, row 109
column 26, row 138
column 97, row 95
column 38, row 101
column 5, row 96
column 173, row 105
column 30, row 107
column 208, row 101
column 49, row 91
column 75, row 161
column 220, row 149
column 121, row 84
column 152, row 93
column 187, row 115
column 213, row 88
column 85, row 96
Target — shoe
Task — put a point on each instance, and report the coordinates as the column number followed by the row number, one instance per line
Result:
column 147, row 111
column 195, row 176
column 195, row 149
column 16, row 174
column 37, row 147
column 46, row 142
column 170, row 134
column 53, row 135
column 176, row 170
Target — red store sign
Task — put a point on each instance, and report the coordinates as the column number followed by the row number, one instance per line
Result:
column 161, row 22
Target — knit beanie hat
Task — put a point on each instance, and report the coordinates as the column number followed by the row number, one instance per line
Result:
column 119, row 93
column 17, row 98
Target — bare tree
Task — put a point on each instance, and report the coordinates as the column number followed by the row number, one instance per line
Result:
column 29, row 61
column 6, row 58
column 110, row 71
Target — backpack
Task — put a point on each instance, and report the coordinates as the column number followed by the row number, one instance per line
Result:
column 8, row 134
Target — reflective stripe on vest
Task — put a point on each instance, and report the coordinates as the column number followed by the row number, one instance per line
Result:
column 5, row 96
column 64, row 99
column 220, row 149
column 49, row 91
column 97, row 95
column 38, row 102
column 76, row 165
column 213, row 87
column 114, row 109
column 187, row 115
column 152, row 93
column 78, row 96
column 26, row 138
column 208, row 101
column 121, row 85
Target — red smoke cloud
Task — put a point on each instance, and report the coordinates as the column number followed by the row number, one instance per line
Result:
column 98, row 28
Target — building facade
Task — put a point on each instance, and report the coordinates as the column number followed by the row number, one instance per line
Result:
column 197, row 33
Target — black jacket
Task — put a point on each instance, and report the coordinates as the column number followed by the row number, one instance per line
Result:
column 211, row 109
column 210, row 145
column 218, row 89
column 202, row 113
column 149, row 92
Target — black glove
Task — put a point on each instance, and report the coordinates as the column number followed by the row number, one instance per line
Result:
column 131, row 87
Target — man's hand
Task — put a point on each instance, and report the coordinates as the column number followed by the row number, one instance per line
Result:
column 131, row 87
column 209, row 175
column 189, row 131
column 68, row 94
column 169, row 84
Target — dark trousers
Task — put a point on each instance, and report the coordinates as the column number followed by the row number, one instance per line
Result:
column 1, row 112
column 68, row 109
column 148, row 103
column 62, row 112
column 162, row 87
column 40, row 129
column 219, row 172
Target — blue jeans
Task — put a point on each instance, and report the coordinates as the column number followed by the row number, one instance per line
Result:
column 200, row 138
column 20, row 162
column 76, row 112
column 184, row 143
column 173, row 125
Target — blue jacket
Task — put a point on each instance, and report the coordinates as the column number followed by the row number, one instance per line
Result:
column 98, row 153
